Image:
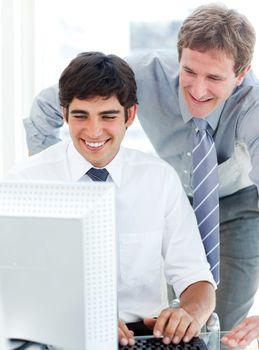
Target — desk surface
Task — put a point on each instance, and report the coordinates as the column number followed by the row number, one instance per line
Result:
column 212, row 340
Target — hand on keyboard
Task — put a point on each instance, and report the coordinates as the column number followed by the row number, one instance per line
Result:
column 174, row 325
column 152, row 343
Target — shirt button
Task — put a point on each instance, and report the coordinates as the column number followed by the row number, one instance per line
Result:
column 188, row 154
column 185, row 185
column 185, row 171
column 189, row 194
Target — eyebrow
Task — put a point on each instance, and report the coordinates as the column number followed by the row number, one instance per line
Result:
column 186, row 67
column 214, row 76
column 82, row 111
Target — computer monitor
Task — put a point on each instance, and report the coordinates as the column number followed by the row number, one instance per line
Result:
column 58, row 277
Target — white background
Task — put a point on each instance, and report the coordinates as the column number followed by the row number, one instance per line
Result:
column 38, row 38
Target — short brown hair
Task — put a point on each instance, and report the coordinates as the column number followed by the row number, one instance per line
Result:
column 215, row 27
column 93, row 74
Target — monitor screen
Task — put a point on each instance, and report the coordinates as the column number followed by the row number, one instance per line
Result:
column 58, row 278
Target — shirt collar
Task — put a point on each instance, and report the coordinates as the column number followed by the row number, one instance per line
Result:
column 212, row 118
column 79, row 165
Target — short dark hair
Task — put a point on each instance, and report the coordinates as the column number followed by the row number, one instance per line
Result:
column 93, row 74
column 215, row 27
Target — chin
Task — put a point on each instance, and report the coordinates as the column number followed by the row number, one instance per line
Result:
column 201, row 112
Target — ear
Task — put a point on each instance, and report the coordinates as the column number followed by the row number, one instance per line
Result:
column 65, row 113
column 242, row 75
column 131, row 115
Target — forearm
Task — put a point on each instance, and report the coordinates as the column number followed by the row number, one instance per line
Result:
column 45, row 120
column 198, row 300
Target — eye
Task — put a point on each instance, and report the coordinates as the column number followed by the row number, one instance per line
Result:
column 80, row 116
column 189, row 71
column 108, row 117
column 215, row 78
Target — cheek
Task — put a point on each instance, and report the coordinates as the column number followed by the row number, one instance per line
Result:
column 116, row 129
column 74, row 129
column 185, row 80
column 224, row 93
column 119, row 134
column 217, row 90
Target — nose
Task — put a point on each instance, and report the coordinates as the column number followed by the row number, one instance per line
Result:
column 199, row 89
column 94, row 128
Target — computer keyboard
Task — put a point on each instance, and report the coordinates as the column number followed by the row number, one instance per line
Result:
column 152, row 343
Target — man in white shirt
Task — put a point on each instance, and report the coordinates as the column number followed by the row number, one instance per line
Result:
column 155, row 221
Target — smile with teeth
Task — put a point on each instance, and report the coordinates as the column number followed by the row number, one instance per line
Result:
column 95, row 144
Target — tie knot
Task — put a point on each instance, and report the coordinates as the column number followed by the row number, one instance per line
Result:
column 201, row 123
column 98, row 174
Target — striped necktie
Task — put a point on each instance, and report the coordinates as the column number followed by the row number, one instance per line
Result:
column 205, row 192
column 98, row 174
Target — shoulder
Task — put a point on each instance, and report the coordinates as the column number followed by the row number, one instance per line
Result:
column 155, row 61
column 250, row 80
column 151, row 179
column 39, row 162
column 148, row 163
column 248, row 91
column 243, row 101
column 50, row 94
column 51, row 91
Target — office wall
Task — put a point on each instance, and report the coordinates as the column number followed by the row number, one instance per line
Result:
column 16, row 76
column 39, row 37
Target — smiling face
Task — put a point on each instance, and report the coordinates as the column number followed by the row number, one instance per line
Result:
column 97, row 127
column 207, row 79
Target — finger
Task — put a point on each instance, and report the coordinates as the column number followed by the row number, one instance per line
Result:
column 235, row 330
column 193, row 330
column 240, row 335
column 124, row 334
column 227, row 337
column 122, row 338
column 231, row 343
column 176, row 328
column 162, row 321
column 233, row 340
column 249, row 337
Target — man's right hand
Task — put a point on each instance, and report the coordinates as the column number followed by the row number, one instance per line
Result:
column 126, row 337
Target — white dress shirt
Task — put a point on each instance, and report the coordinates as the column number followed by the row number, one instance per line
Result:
column 156, row 225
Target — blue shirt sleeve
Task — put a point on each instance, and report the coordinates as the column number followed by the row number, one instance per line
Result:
column 42, row 127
